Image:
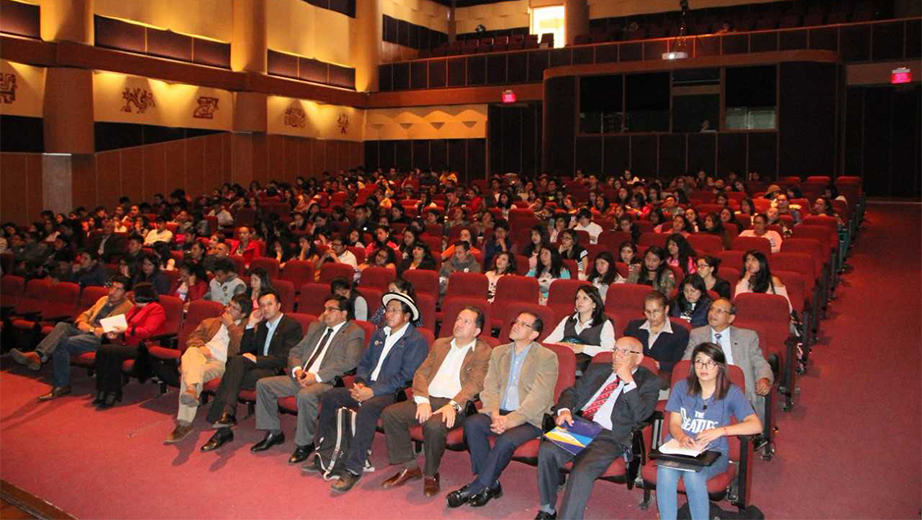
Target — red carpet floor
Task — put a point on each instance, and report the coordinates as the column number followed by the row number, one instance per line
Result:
column 850, row 449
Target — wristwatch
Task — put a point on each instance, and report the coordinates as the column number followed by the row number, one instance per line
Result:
column 455, row 405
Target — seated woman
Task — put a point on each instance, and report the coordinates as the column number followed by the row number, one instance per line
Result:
column 561, row 223
column 279, row 251
column 191, row 285
column 150, row 273
column 537, row 240
column 503, row 264
column 550, row 268
column 604, row 273
column 681, row 254
column 758, row 278
column 714, row 226
column 570, row 249
column 692, row 303
column 463, row 236
column 259, row 283
column 691, row 216
column 681, row 226
column 353, row 238
column 307, row 250
column 627, row 254
column 383, row 257
column 357, row 302
column 823, row 207
column 707, row 270
column 654, row 272
column 760, row 229
column 747, row 208
column 700, row 408
column 143, row 321
column 420, row 258
column 398, row 285
column 410, row 236
column 588, row 330
column 380, row 239
column 658, row 220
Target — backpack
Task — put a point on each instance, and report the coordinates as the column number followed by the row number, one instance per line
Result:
column 333, row 450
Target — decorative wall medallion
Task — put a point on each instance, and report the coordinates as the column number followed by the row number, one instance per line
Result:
column 206, row 107
column 295, row 117
column 140, row 98
column 7, row 88
column 343, row 123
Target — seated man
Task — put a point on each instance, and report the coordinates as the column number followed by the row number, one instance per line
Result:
column 332, row 347
column 85, row 335
column 617, row 397
column 394, row 353
column 445, row 383
column 207, row 349
column 517, row 392
column 89, row 271
column 463, row 261
column 661, row 340
column 225, row 284
column 159, row 233
column 108, row 245
column 268, row 338
column 741, row 348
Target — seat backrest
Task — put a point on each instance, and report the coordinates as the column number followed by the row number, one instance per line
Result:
column 561, row 297
column 705, row 244
column 760, row 244
column 11, row 289
column 626, row 297
column 453, row 306
column 62, row 301
column 472, row 285
column 377, row 277
column 271, row 265
column 330, row 271
column 427, row 335
column 286, row 292
column 198, row 310
column 770, row 310
column 424, row 281
column 372, row 297
column 298, row 272
column 369, row 329
column 510, row 311
column 820, row 233
column 90, row 296
column 304, row 320
column 33, row 298
column 797, row 262
column 566, row 368
column 515, row 288
column 795, row 286
column 732, row 258
column 173, row 307
column 312, row 297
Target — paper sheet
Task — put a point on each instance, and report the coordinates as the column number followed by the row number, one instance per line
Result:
column 112, row 323
column 673, row 448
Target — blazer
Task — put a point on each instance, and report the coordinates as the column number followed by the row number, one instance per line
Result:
column 630, row 410
column 341, row 356
column 113, row 248
column 537, row 381
column 208, row 328
column 143, row 322
column 400, row 364
column 744, row 346
column 473, row 370
column 667, row 349
column 89, row 316
column 287, row 334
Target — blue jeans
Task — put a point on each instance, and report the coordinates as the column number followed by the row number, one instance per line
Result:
column 71, row 346
column 696, row 489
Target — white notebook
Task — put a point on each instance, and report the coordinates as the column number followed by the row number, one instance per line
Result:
column 673, row 448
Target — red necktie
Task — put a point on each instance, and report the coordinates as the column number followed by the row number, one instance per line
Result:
column 590, row 411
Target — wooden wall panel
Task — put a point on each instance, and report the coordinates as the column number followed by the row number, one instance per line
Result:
column 731, row 153
column 305, row 158
column 589, row 154
column 260, row 158
column 438, row 154
column 84, row 180
column 132, row 170
column 212, row 162
column 476, row 159
column 174, row 173
column 34, row 195
column 154, row 175
column 644, row 155
column 108, row 178
column 291, row 171
column 12, row 187
column 275, row 151
column 617, row 154
column 195, row 167
column 701, row 152
column 318, row 156
column 371, row 154
column 227, row 157
column 671, row 155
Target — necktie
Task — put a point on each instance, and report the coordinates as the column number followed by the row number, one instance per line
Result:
column 717, row 336
column 320, row 348
column 590, row 411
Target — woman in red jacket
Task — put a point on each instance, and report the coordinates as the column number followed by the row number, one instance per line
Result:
column 191, row 285
column 145, row 319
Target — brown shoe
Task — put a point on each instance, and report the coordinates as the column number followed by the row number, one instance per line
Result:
column 56, row 391
column 180, row 433
column 431, row 486
column 30, row 359
column 402, row 478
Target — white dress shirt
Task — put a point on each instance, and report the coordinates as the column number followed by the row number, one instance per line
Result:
column 447, row 381
column 651, row 339
column 389, row 341
column 724, row 343
column 602, row 416
column 218, row 344
column 271, row 325
column 608, row 336
column 315, row 367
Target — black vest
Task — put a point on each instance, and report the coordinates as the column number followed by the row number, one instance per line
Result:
column 589, row 336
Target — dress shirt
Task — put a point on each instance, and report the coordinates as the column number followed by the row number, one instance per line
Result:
column 608, row 336
column 218, row 344
column 602, row 416
column 271, row 325
column 389, row 341
column 724, row 343
column 155, row 236
column 447, row 381
column 510, row 400
column 315, row 367
column 651, row 339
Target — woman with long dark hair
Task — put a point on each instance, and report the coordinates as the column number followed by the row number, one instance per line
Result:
column 692, row 303
column 714, row 226
column 758, row 278
column 420, row 258
column 259, row 283
column 549, row 269
column 707, row 270
column 503, row 264
column 538, row 238
column 604, row 273
column 681, row 254
column 654, row 272
column 587, row 331
column 570, row 249
column 398, row 285
column 150, row 273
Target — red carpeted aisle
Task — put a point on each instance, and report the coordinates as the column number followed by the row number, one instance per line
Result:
column 850, row 449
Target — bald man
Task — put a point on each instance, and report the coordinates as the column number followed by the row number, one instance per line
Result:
column 618, row 397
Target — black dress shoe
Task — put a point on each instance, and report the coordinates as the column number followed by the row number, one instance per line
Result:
column 111, row 399
column 220, row 438
column 314, row 466
column 459, row 497
column 226, row 421
column 270, row 440
column 544, row 515
column 56, row 391
column 300, row 454
column 481, row 499
column 100, row 398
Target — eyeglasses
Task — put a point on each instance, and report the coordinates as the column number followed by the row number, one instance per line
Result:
column 709, row 364
column 522, row 323
column 331, row 309
column 626, row 352
column 718, row 310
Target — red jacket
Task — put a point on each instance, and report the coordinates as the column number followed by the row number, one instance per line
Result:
column 143, row 322
column 195, row 292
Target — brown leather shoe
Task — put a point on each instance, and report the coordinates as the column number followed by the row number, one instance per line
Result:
column 180, row 433
column 56, row 391
column 402, row 478
column 431, row 486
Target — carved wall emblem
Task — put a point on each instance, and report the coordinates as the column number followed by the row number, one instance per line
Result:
column 7, row 88
column 343, row 123
column 140, row 98
column 206, row 107
column 295, row 117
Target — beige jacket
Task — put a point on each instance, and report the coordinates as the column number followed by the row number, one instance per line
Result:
column 536, row 384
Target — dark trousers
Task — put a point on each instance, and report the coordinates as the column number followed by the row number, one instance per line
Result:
column 486, row 463
column 365, row 423
column 588, row 466
column 239, row 373
column 109, row 359
column 400, row 417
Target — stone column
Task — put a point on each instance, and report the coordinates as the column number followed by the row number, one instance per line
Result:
column 67, row 20
column 366, row 41
column 249, row 46
column 577, row 19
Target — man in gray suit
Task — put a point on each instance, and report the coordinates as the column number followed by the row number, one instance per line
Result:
column 331, row 348
column 740, row 346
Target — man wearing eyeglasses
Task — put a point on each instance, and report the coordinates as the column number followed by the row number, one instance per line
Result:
column 741, row 348
column 618, row 397
column 331, row 348
column 517, row 392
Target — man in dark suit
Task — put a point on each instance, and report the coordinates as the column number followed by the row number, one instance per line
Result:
column 331, row 348
column 387, row 366
column 661, row 339
column 268, row 338
column 108, row 245
column 618, row 397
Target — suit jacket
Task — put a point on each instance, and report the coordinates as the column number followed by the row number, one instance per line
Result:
column 341, row 356
column 473, row 370
column 667, row 349
column 89, row 316
column 287, row 334
column 400, row 364
column 744, row 346
column 114, row 247
column 537, row 381
column 631, row 408
column 208, row 328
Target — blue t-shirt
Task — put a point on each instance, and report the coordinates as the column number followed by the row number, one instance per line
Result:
column 696, row 419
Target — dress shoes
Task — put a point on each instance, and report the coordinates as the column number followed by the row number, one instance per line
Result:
column 300, row 454
column 314, row 466
column 431, row 486
column 30, row 359
column 544, row 515
column 402, row 478
column 180, row 433
column 220, row 438
column 481, row 499
column 226, row 421
column 347, row 480
column 100, row 398
column 56, row 391
column 459, row 497
column 110, row 400
column 270, row 440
